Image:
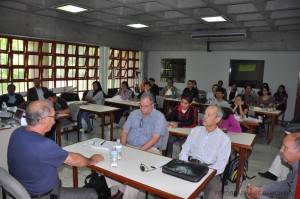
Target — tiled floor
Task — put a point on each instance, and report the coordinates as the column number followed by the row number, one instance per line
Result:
column 260, row 159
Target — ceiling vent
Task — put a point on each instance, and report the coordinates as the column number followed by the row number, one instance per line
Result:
column 221, row 35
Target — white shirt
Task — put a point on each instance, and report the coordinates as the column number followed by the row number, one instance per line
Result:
column 40, row 93
column 211, row 148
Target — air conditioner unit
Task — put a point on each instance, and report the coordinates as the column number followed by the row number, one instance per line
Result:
column 220, row 35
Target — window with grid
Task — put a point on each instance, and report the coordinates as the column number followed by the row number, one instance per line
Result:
column 57, row 64
column 123, row 65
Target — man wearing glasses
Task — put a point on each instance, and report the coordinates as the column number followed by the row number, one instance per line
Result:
column 144, row 130
column 33, row 159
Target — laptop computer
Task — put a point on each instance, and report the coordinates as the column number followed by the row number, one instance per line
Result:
column 189, row 171
column 16, row 118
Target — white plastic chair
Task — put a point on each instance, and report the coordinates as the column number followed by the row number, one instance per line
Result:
column 74, row 108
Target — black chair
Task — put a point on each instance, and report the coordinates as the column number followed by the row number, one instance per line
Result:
column 70, row 97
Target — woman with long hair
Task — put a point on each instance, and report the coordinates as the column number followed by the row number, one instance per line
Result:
column 126, row 94
column 265, row 100
column 95, row 96
column 280, row 98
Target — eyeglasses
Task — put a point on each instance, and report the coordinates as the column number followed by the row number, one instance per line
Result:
column 54, row 116
column 144, row 168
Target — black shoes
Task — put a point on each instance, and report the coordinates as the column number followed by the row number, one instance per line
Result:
column 268, row 175
column 88, row 130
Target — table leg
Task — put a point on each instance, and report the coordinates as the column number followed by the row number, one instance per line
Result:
column 59, row 133
column 75, row 177
column 102, row 124
column 111, row 117
column 239, row 179
column 270, row 136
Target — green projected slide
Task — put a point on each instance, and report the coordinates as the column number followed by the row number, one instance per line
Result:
column 247, row 67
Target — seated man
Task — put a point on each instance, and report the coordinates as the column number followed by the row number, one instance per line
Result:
column 61, row 107
column 154, row 88
column 190, row 90
column 11, row 98
column 209, row 145
column 279, row 169
column 33, row 159
column 249, row 95
column 220, row 98
column 168, row 90
column 36, row 92
column 184, row 115
column 290, row 152
column 147, row 88
column 144, row 130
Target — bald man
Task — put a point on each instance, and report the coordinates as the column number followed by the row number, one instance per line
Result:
column 33, row 159
column 290, row 152
column 209, row 145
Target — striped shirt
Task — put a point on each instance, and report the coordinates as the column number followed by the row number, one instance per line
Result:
column 141, row 129
column 211, row 148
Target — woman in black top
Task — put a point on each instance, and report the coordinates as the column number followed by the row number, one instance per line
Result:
column 240, row 107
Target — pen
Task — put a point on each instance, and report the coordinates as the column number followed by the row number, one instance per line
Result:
column 103, row 142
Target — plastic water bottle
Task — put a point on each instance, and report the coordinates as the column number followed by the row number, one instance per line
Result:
column 113, row 157
column 119, row 150
column 4, row 107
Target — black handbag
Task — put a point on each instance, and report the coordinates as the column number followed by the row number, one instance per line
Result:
column 98, row 183
column 201, row 100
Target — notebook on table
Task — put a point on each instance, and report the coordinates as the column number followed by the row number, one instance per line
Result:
column 190, row 171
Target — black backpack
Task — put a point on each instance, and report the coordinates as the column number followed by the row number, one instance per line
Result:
column 233, row 169
column 98, row 183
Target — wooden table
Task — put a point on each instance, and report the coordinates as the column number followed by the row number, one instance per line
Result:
column 241, row 142
column 128, row 171
column 130, row 103
column 269, row 114
column 101, row 109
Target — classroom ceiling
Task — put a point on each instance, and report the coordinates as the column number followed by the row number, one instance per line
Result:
column 165, row 17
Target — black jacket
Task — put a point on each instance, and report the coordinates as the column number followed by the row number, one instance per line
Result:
column 5, row 98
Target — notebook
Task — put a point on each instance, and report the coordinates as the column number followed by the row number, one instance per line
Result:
column 189, row 171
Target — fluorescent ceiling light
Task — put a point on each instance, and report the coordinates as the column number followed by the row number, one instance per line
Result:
column 213, row 19
column 71, row 8
column 138, row 25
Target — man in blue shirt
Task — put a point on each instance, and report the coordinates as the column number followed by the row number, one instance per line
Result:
column 33, row 159
column 144, row 130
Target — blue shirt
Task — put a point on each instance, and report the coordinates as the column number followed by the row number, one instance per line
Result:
column 33, row 160
column 141, row 129
column 211, row 148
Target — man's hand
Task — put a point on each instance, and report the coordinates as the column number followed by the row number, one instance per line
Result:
column 254, row 192
column 96, row 158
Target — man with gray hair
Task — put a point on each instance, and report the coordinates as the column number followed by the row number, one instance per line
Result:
column 144, row 130
column 33, row 159
column 290, row 152
column 209, row 145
